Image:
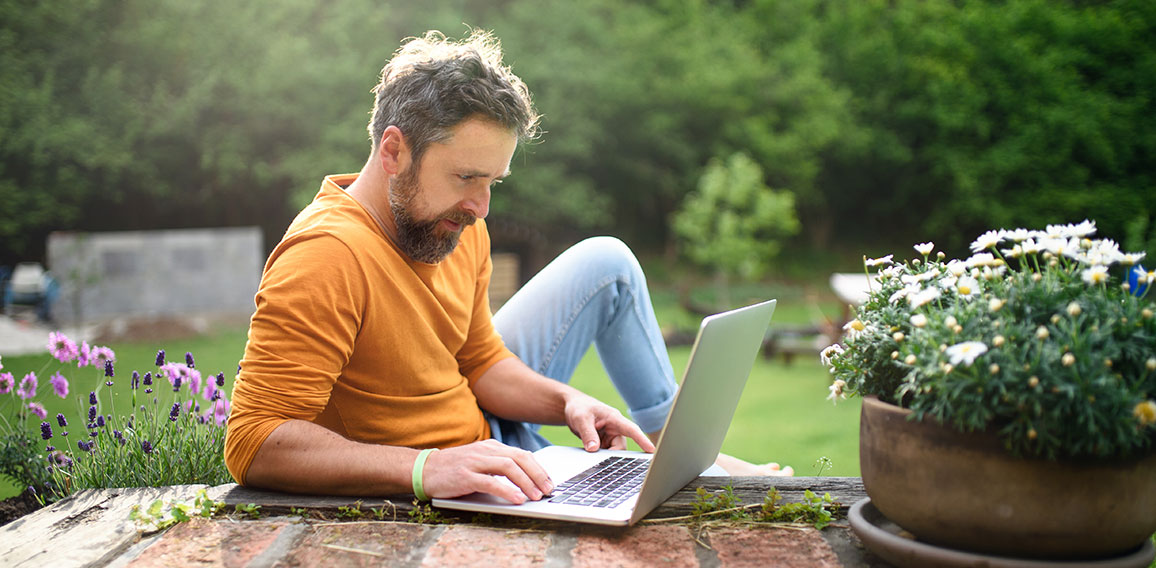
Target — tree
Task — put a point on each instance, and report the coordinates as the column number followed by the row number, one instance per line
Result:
column 734, row 224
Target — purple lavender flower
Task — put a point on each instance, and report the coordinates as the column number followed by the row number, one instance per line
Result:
column 59, row 384
column 160, row 360
column 147, row 446
column 176, row 383
column 135, row 382
column 175, row 412
column 100, row 421
column 189, row 360
column 148, row 379
column 61, row 420
column 28, row 386
column 38, row 410
column 84, row 446
column 108, row 369
column 92, row 413
column 119, row 436
column 91, row 397
column 46, row 430
column 220, row 380
column 61, row 347
column 7, row 381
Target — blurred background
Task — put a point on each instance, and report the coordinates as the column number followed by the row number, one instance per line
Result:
column 744, row 148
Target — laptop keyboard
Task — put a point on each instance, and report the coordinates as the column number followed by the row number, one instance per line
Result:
column 608, row 484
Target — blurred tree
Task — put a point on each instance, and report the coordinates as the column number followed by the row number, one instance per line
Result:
column 734, row 224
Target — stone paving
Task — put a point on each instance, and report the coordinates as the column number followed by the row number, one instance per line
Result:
column 93, row 528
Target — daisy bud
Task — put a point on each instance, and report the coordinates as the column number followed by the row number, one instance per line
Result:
column 1041, row 332
column 898, row 336
column 894, row 355
column 1034, row 382
column 1032, row 434
column 957, row 329
column 950, row 322
column 1150, row 364
column 910, row 360
column 919, row 320
column 940, row 255
column 1146, row 313
column 947, row 368
column 1055, row 319
column 997, row 341
column 1036, row 276
column 996, row 304
column 1107, row 362
column 994, row 369
column 1068, row 360
column 1074, row 309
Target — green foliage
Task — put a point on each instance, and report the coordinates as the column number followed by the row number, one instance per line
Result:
column 161, row 515
column 708, row 503
column 423, row 513
column 250, row 510
column 812, row 510
column 734, row 223
column 350, row 513
column 1030, row 338
column 884, row 118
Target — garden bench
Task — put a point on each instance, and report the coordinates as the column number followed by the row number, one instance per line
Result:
column 92, row 528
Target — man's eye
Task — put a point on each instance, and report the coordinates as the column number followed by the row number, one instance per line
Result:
column 465, row 177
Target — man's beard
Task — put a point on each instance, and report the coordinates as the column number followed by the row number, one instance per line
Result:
column 420, row 240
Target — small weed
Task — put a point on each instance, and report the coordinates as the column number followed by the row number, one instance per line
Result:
column 483, row 519
column 813, row 510
column 706, row 503
column 251, row 510
column 823, row 464
column 351, row 513
column 422, row 513
column 158, row 517
column 299, row 512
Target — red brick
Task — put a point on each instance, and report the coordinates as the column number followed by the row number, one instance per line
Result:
column 358, row 544
column 473, row 546
column 204, row 541
column 769, row 547
column 644, row 547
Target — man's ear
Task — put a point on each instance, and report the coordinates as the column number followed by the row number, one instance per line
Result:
column 393, row 151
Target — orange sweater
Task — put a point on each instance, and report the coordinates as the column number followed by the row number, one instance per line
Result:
column 351, row 334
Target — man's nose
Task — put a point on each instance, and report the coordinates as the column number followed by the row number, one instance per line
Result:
column 477, row 202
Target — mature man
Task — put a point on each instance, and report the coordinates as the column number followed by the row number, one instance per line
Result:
column 372, row 342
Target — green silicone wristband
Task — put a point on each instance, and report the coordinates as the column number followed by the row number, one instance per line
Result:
column 418, row 466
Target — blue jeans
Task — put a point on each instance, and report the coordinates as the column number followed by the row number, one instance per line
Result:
column 594, row 293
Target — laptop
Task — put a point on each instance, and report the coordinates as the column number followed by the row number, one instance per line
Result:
column 635, row 482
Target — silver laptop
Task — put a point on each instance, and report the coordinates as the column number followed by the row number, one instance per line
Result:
column 631, row 484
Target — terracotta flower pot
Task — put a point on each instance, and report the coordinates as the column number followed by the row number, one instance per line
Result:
column 964, row 491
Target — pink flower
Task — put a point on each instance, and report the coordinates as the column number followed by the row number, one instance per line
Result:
column 194, row 379
column 100, row 355
column 59, row 384
column 27, row 388
column 7, row 381
column 38, row 409
column 84, row 358
column 61, row 347
column 220, row 411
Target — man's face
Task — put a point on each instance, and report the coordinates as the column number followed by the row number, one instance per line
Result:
column 435, row 200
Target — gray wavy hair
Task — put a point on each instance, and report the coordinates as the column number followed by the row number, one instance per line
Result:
column 432, row 84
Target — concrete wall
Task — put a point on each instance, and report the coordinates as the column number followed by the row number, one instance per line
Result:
column 155, row 273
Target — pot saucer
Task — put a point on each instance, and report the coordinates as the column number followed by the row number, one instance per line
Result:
column 881, row 536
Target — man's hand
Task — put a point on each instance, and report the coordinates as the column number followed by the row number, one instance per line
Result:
column 601, row 426
column 484, row 467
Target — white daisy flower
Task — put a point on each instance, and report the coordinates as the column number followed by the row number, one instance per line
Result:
column 1018, row 235
column 987, row 240
column 925, row 248
column 967, row 287
column 1132, row 258
column 855, row 328
column 873, row 262
column 965, row 352
column 836, row 389
column 919, row 320
column 1095, row 275
column 923, row 296
column 980, row 259
column 957, row 267
column 828, row 352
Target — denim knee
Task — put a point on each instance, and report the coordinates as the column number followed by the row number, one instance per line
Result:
column 612, row 257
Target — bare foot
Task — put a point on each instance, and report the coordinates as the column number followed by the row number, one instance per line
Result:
column 741, row 468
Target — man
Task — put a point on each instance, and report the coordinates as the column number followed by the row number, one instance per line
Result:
column 373, row 339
